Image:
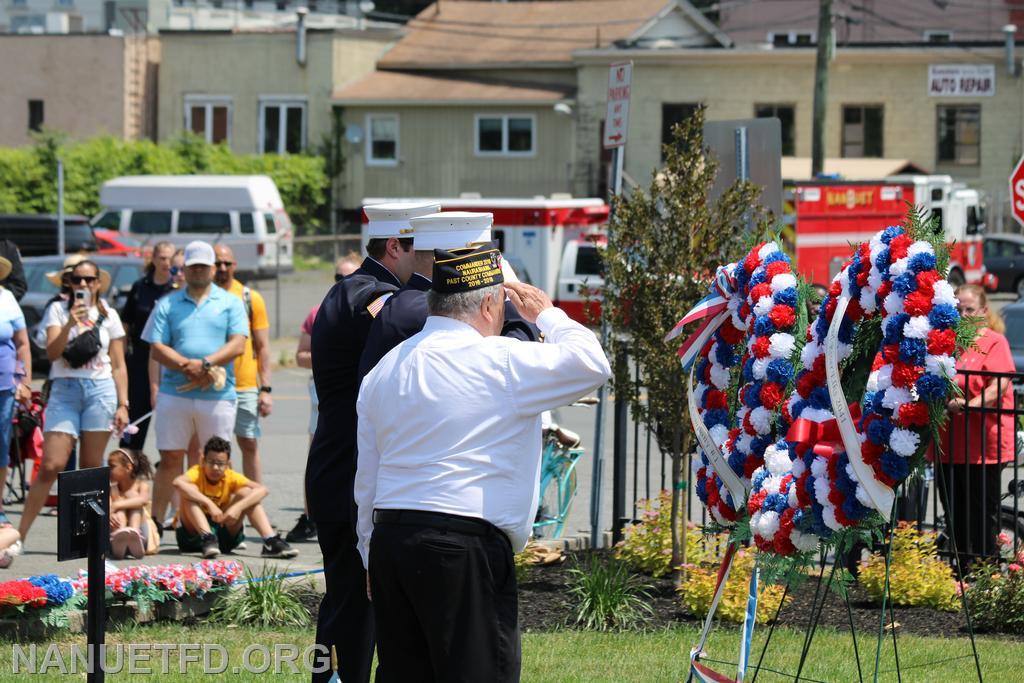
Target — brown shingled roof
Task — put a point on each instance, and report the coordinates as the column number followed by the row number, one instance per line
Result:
column 466, row 33
column 392, row 87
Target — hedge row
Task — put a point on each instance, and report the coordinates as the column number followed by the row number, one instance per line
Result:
column 28, row 175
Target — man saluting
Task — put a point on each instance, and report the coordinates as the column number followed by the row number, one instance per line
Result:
column 448, row 467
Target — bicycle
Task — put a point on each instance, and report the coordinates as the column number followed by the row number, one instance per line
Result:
column 557, row 477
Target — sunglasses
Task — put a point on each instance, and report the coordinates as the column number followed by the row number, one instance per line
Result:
column 82, row 279
column 225, row 264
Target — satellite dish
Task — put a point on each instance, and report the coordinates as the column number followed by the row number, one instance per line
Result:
column 354, row 134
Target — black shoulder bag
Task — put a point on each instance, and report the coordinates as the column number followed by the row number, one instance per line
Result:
column 85, row 346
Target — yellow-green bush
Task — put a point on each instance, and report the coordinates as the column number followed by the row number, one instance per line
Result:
column 698, row 589
column 647, row 545
column 917, row 577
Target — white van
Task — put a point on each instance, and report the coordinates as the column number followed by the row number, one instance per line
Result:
column 243, row 212
column 579, row 278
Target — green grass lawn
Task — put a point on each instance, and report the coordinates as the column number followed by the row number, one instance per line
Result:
column 578, row 656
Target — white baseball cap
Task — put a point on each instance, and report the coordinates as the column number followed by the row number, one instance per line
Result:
column 199, row 253
column 451, row 230
column 392, row 220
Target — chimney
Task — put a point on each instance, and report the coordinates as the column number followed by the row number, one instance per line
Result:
column 300, row 35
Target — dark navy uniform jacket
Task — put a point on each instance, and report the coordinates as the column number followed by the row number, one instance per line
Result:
column 404, row 315
column 339, row 335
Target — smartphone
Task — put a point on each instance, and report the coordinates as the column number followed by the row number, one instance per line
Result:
column 83, row 296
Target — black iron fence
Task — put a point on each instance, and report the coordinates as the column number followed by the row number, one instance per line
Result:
column 968, row 493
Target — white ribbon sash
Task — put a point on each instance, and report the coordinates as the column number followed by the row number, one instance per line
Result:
column 737, row 489
column 880, row 495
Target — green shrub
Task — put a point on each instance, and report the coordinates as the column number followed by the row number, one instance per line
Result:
column 917, row 577
column 28, row 176
column 269, row 601
column 996, row 599
column 647, row 545
column 698, row 590
column 608, row 596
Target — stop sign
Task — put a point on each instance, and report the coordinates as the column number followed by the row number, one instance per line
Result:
column 1017, row 192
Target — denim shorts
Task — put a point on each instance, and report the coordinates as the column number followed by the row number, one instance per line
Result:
column 79, row 405
column 247, row 419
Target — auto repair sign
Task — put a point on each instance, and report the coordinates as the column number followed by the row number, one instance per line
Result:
column 961, row 80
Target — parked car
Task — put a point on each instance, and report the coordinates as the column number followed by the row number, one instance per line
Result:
column 113, row 243
column 580, row 279
column 124, row 270
column 36, row 234
column 1004, row 258
column 243, row 212
column 1013, row 316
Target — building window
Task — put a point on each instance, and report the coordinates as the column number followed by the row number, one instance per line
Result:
column 671, row 114
column 282, row 126
column 862, row 131
column 209, row 118
column 505, row 134
column 382, row 139
column 959, row 134
column 791, row 38
column 938, row 37
column 786, row 114
column 35, row 115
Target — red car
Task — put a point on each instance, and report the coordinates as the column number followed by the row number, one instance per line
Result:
column 113, row 243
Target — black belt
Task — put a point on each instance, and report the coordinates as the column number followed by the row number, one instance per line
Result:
column 437, row 520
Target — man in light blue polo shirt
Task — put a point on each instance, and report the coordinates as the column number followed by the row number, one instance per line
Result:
column 195, row 333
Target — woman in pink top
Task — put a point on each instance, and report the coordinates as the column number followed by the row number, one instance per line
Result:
column 977, row 445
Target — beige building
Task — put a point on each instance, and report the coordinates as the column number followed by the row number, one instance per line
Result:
column 881, row 103
column 83, row 85
column 249, row 89
column 478, row 98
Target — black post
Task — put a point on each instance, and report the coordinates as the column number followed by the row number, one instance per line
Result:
column 83, row 530
column 97, row 619
column 619, row 467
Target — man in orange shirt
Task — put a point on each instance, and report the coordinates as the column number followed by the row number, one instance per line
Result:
column 252, row 368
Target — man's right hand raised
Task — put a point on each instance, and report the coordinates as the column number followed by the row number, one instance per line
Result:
column 530, row 301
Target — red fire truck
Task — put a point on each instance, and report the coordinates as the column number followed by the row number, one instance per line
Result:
column 536, row 235
column 825, row 217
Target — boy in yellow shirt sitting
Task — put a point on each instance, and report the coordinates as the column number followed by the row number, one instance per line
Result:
column 215, row 500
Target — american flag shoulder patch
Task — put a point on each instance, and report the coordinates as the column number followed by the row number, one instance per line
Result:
column 374, row 308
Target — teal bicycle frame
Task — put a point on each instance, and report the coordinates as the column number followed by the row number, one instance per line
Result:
column 558, row 473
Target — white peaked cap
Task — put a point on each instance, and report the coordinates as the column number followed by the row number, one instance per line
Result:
column 451, row 230
column 392, row 220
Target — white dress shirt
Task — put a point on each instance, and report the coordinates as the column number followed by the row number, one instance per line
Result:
column 449, row 420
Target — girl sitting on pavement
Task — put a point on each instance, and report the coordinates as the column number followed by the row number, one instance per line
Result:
column 130, row 473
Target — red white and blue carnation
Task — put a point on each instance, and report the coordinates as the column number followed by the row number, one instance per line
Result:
column 895, row 277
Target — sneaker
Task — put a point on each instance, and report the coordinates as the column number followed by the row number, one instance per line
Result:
column 5, row 559
column 275, row 546
column 210, row 547
column 304, row 530
column 15, row 549
column 242, row 546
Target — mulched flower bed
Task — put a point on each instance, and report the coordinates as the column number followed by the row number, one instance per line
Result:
column 545, row 604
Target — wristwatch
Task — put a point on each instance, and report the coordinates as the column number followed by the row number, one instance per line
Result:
column 265, row 389
column 207, row 365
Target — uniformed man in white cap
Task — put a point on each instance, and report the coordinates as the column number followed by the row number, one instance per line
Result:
column 449, row 460
column 337, row 340
column 404, row 313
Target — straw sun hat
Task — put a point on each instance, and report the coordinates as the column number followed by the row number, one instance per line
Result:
column 69, row 264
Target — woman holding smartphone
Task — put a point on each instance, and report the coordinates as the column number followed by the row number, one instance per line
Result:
column 89, row 394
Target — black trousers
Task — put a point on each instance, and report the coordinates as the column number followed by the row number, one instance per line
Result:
column 139, row 400
column 346, row 616
column 445, row 600
column 972, row 508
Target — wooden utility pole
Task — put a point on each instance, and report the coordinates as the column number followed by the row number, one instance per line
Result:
column 821, row 87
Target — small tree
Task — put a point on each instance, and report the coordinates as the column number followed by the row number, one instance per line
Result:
column 663, row 249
